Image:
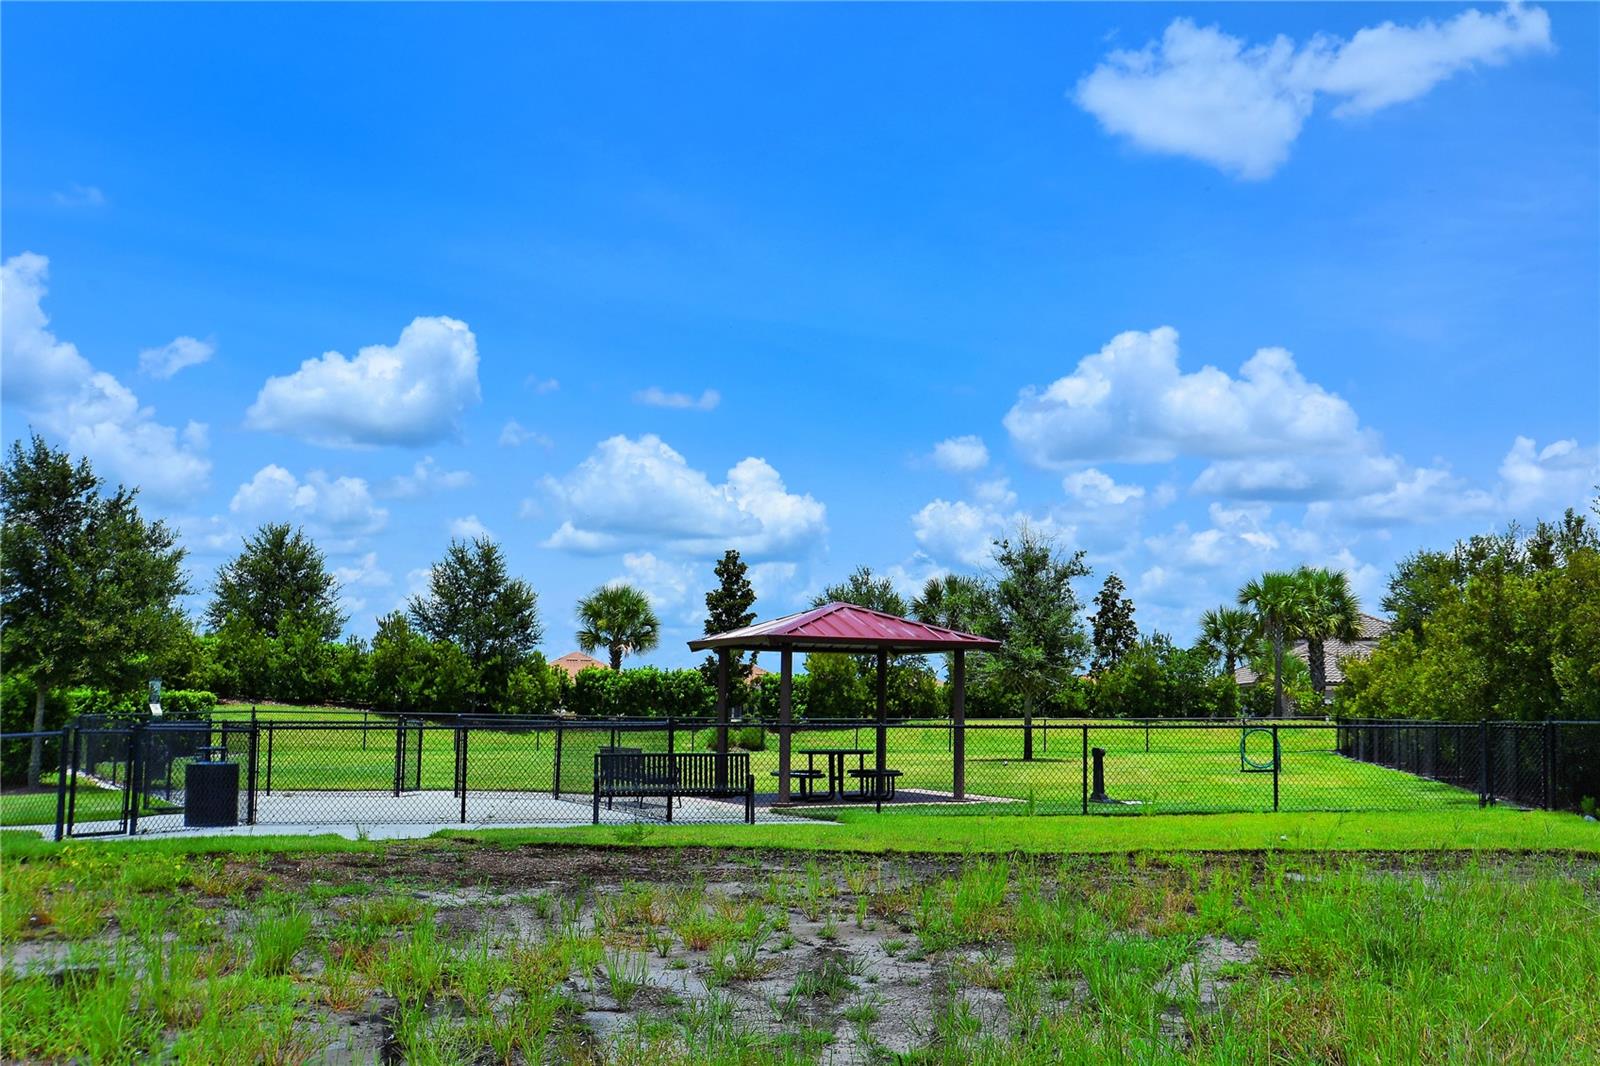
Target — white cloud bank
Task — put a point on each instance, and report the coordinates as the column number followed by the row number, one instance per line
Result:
column 425, row 478
column 1201, row 93
column 637, row 493
column 412, row 393
column 92, row 412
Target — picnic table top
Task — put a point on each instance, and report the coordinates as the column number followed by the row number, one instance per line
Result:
column 835, row 751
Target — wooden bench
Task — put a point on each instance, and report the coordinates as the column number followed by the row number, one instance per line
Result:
column 883, row 782
column 807, row 778
column 671, row 776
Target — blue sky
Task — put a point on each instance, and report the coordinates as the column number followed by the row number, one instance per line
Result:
column 1203, row 290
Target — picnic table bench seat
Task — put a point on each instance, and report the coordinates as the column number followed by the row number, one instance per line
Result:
column 641, row 775
column 882, row 782
column 808, row 780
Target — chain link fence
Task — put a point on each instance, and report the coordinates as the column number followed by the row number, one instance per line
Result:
column 118, row 776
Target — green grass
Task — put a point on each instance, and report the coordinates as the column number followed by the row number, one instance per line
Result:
column 39, row 808
column 1162, row 770
column 176, row 956
column 908, row 831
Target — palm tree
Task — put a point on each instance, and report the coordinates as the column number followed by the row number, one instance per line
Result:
column 1277, row 600
column 1227, row 633
column 1329, row 610
column 618, row 618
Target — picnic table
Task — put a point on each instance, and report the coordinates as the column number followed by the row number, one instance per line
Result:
column 835, row 764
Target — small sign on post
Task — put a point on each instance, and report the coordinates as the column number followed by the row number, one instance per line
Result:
column 155, row 697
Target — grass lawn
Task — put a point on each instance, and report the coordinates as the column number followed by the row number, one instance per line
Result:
column 1179, row 769
column 500, row 950
column 39, row 808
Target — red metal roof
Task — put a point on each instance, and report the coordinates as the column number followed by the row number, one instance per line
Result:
column 846, row 627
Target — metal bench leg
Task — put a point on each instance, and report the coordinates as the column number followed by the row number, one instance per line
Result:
column 597, row 803
column 669, row 804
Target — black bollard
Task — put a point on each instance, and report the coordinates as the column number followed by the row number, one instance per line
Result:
column 1099, row 793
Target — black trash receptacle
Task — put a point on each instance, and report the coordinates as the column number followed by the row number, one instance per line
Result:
column 211, row 793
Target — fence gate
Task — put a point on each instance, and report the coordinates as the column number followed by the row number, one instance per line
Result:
column 96, row 762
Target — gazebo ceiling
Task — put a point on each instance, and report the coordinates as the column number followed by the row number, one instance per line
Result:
column 845, row 627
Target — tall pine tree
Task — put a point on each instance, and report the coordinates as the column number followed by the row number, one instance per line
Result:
column 728, row 606
column 1113, row 630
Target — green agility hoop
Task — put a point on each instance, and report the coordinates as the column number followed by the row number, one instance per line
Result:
column 1247, row 765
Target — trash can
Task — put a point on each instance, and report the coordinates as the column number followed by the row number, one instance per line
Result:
column 211, row 790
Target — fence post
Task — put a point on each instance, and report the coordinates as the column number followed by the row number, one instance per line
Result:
column 1484, row 781
column 555, row 783
column 463, row 733
column 270, row 731
column 1549, row 765
column 1277, row 758
column 61, row 788
column 135, row 791
column 399, row 755
column 254, row 755
column 1085, row 769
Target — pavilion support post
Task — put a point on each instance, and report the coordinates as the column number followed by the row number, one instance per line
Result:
column 883, row 712
column 721, row 780
column 958, row 724
column 785, row 692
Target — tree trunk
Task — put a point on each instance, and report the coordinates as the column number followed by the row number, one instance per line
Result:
column 1277, row 673
column 1319, row 666
column 1027, row 728
column 36, row 748
column 616, row 656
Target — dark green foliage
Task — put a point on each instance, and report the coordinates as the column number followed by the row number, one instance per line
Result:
column 89, row 587
column 175, row 703
column 864, row 590
column 645, row 692
column 1113, row 632
column 1157, row 679
column 279, row 583
column 956, row 601
column 409, row 672
column 728, row 606
column 477, row 607
column 1514, row 633
column 1036, row 619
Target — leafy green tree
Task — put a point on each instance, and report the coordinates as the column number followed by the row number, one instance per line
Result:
column 279, row 582
column 1112, row 629
column 1329, row 610
column 1275, row 598
column 1036, row 619
column 88, row 587
column 728, row 607
column 1421, row 582
column 618, row 618
column 1157, row 679
column 864, row 590
column 474, row 604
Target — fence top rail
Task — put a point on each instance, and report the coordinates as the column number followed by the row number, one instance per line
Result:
column 45, row 733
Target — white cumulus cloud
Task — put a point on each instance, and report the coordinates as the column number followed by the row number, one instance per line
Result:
column 325, row 504
column 411, row 393
column 1561, row 474
column 468, row 527
column 514, row 435
column 175, row 355
column 1131, row 402
column 92, row 412
column 635, row 493
column 1201, row 93
column 961, row 455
